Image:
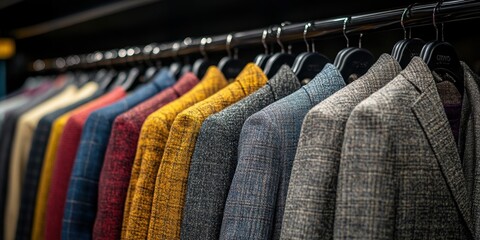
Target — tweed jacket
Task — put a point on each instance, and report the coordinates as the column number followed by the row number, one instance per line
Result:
column 35, row 159
column 310, row 207
column 151, row 144
column 82, row 195
column 400, row 173
column 469, row 135
column 22, row 141
column 65, row 157
column 171, row 182
column 119, row 156
column 266, row 150
column 215, row 157
column 6, row 142
column 38, row 228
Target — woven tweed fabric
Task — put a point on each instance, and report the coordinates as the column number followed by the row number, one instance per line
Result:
column 215, row 157
column 469, row 138
column 119, row 156
column 35, row 159
column 400, row 174
column 65, row 156
column 38, row 228
column 8, row 130
column 82, row 194
column 266, row 150
column 46, row 170
column 171, row 183
column 153, row 137
column 22, row 141
column 310, row 206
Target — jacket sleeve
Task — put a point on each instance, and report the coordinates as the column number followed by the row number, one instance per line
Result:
column 250, row 206
column 310, row 205
column 365, row 205
column 208, row 181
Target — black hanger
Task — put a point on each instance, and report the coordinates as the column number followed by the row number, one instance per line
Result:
column 399, row 43
column 261, row 59
column 118, row 80
column 108, row 79
column 308, row 64
column 119, row 58
column 186, row 66
column 81, row 78
column 278, row 59
column 231, row 66
column 131, row 80
column 353, row 62
column 99, row 75
column 105, row 82
column 405, row 49
column 176, row 66
column 126, row 77
column 442, row 58
column 150, row 67
column 136, row 70
column 201, row 65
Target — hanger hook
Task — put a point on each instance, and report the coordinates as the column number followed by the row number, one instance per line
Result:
column 406, row 12
column 360, row 40
column 204, row 41
column 264, row 43
column 175, row 48
column 229, row 41
column 347, row 20
column 279, row 32
column 305, row 31
column 435, row 9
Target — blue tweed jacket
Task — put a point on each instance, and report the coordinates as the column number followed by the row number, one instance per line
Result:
column 267, row 146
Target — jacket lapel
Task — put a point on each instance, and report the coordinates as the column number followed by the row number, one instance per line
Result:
column 429, row 111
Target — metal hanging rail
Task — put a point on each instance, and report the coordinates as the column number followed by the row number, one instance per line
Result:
column 420, row 15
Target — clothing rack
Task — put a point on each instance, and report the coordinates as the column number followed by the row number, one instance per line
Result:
column 420, row 15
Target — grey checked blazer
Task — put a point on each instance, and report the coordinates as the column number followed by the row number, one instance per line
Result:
column 310, row 207
column 215, row 157
column 267, row 146
column 400, row 174
column 470, row 140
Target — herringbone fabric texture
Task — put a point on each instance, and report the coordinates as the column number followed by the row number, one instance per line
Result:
column 215, row 157
column 310, row 207
column 119, row 156
column 266, row 150
column 171, row 182
column 400, row 174
column 151, row 144
column 65, row 156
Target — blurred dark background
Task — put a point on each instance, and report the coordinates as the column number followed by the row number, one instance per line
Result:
column 57, row 28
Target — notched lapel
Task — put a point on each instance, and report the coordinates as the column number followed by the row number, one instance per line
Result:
column 429, row 111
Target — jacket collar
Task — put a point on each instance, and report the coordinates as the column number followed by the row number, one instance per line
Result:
column 429, row 111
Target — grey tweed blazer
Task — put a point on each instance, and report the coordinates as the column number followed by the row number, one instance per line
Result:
column 310, row 207
column 215, row 157
column 400, row 174
column 469, row 142
column 267, row 146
